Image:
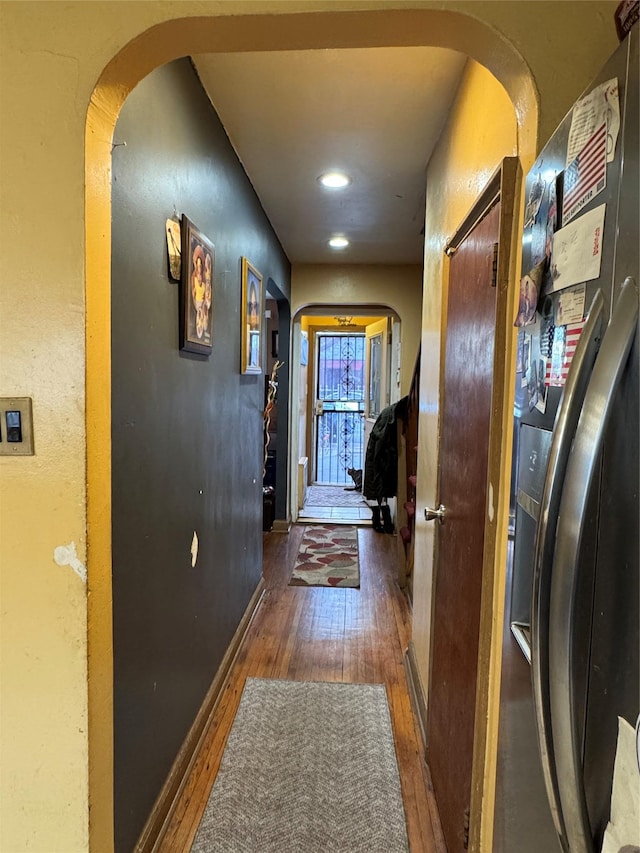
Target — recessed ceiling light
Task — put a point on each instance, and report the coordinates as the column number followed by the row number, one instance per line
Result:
column 338, row 242
column 334, row 180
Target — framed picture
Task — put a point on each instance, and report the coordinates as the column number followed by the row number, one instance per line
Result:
column 251, row 318
column 196, row 291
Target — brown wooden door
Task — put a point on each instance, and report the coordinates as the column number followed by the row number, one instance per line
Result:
column 464, row 452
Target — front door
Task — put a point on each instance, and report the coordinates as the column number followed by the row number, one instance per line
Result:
column 339, row 406
column 464, row 452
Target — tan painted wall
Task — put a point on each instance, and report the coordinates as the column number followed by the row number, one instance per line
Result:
column 398, row 288
column 52, row 56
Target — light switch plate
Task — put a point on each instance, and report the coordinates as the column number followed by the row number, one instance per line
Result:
column 17, row 448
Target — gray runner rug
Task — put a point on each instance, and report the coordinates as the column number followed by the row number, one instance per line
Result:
column 308, row 768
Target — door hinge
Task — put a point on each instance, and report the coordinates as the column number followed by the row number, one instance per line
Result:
column 494, row 272
column 465, row 827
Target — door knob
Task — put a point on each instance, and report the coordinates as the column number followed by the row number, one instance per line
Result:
column 431, row 514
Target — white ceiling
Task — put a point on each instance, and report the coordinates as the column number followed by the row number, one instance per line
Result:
column 375, row 113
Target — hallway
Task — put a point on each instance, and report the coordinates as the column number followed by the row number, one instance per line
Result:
column 322, row 634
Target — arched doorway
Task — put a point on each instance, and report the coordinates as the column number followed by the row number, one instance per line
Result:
column 331, row 400
column 150, row 49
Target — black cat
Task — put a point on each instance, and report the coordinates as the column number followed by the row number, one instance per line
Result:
column 356, row 476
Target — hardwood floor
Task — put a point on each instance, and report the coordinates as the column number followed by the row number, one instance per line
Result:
column 322, row 634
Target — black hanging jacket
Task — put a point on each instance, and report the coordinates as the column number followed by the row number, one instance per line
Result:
column 381, row 459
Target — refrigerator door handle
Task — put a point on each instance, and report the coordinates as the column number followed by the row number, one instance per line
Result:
column 563, row 431
column 581, row 468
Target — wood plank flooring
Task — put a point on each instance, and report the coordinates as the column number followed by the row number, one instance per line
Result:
column 322, row 634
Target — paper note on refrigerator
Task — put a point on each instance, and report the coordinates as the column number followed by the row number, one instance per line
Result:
column 601, row 105
column 576, row 253
column 570, row 307
column 624, row 826
column 563, row 347
column 586, row 176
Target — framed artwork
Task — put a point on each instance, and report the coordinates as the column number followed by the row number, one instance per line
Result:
column 251, row 318
column 196, row 291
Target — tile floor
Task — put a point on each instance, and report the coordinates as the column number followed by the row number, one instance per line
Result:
column 336, row 514
column 335, row 504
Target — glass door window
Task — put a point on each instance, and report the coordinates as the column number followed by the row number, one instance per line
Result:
column 375, row 376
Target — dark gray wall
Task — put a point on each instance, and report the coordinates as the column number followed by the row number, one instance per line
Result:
column 187, row 430
column 281, row 445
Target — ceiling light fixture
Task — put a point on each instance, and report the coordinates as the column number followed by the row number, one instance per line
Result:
column 345, row 322
column 338, row 242
column 334, row 180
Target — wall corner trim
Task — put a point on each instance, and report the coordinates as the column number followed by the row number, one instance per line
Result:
column 416, row 691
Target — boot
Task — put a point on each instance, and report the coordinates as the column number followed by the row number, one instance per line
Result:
column 386, row 519
column 377, row 525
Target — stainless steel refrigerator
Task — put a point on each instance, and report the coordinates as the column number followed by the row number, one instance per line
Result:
column 571, row 640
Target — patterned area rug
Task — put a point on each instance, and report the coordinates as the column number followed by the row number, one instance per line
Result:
column 308, row 767
column 333, row 496
column 328, row 556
